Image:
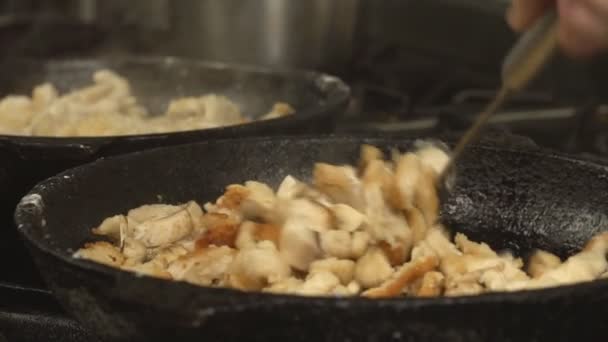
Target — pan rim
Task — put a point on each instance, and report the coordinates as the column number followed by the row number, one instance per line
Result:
column 25, row 225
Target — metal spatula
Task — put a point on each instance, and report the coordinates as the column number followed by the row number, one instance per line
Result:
column 520, row 66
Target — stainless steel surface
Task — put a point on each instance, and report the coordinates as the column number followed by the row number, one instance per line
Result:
column 311, row 33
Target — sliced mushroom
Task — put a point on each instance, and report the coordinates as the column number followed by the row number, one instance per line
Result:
column 102, row 252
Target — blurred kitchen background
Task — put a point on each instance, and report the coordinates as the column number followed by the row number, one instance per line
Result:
column 416, row 67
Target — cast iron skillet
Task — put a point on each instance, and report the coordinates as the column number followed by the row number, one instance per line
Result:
column 511, row 199
column 24, row 161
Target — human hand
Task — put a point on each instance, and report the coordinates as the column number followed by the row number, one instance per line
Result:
column 583, row 24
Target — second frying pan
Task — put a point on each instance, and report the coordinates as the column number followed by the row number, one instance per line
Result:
column 511, row 199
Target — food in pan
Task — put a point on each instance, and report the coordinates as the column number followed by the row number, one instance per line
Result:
column 107, row 107
column 368, row 230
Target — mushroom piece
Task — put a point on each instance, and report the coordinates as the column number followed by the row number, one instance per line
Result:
column 102, row 252
column 373, row 268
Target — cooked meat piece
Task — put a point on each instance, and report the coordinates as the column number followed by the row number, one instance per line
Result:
column 308, row 213
column 368, row 154
column 587, row 265
column 360, row 240
column 432, row 155
column 204, row 267
column 407, row 177
column 417, row 224
column 379, row 172
column 259, row 203
column 256, row 267
column 289, row 188
column 541, row 262
column 16, row 113
column 111, row 227
column 221, row 230
column 373, row 268
column 279, row 110
column 340, row 183
column 465, row 285
column 346, row 217
column 101, row 252
column 396, row 254
column 473, row 248
column 319, row 284
column 431, row 285
column 341, row 268
column 403, row 277
column 298, row 244
column 150, row 268
column 383, row 223
column 336, row 243
column 163, row 230
column 425, row 196
column 134, row 251
column 289, row 285
column 233, row 197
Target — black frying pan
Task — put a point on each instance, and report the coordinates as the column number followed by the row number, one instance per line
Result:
column 318, row 99
column 511, row 199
